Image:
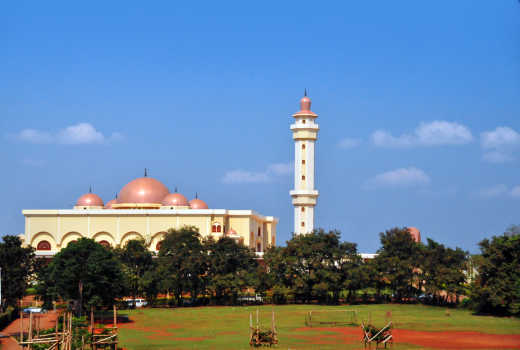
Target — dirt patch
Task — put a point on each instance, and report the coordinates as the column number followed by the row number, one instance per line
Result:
column 436, row 340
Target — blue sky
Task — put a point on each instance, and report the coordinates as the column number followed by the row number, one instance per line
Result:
column 418, row 103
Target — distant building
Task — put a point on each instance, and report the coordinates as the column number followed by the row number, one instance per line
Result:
column 143, row 209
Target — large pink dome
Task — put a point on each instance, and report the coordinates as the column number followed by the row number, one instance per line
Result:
column 175, row 199
column 198, row 204
column 415, row 233
column 89, row 200
column 143, row 190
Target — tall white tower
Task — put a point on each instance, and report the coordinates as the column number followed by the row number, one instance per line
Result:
column 304, row 196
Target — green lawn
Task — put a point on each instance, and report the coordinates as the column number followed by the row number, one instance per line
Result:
column 228, row 327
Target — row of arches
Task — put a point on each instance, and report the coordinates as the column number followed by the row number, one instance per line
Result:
column 44, row 241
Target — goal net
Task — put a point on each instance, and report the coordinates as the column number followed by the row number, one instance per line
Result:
column 317, row 318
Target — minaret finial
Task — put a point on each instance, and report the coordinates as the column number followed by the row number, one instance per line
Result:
column 305, row 92
column 90, row 189
column 145, row 172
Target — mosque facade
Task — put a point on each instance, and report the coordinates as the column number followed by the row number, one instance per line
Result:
column 143, row 209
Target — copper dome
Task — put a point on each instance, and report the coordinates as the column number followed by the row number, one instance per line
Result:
column 175, row 199
column 89, row 200
column 198, row 204
column 415, row 233
column 143, row 190
column 109, row 203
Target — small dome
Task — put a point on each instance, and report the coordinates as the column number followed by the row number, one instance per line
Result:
column 143, row 190
column 305, row 104
column 415, row 233
column 109, row 203
column 175, row 199
column 89, row 200
column 198, row 204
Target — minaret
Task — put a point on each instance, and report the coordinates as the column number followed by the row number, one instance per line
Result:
column 304, row 196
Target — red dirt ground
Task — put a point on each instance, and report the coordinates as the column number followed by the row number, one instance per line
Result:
column 435, row 340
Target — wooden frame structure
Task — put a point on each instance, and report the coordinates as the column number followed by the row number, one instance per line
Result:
column 57, row 340
column 107, row 340
column 382, row 336
column 258, row 337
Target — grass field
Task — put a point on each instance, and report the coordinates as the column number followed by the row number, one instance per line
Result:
column 227, row 327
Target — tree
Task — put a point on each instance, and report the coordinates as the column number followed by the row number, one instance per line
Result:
column 17, row 265
column 443, row 271
column 397, row 261
column 137, row 261
column 231, row 268
column 182, row 263
column 85, row 272
column 496, row 288
column 314, row 266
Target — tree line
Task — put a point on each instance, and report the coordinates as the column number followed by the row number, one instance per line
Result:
column 312, row 268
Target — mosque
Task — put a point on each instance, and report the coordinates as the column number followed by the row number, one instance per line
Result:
column 145, row 209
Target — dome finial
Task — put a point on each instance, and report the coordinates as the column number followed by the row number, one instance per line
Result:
column 116, row 196
column 305, row 92
column 90, row 189
column 175, row 190
column 145, row 172
column 196, row 195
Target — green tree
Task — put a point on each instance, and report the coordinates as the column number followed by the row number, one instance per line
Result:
column 137, row 261
column 314, row 266
column 182, row 263
column 397, row 261
column 85, row 272
column 17, row 264
column 443, row 271
column 496, row 288
column 231, row 268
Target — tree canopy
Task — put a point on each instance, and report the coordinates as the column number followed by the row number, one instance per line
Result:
column 17, row 265
column 85, row 272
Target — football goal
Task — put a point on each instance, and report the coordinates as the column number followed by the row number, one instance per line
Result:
column 317, row 318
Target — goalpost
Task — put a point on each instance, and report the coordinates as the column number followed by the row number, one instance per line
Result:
column 316, row 318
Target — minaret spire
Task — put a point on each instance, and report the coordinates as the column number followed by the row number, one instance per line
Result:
column 304, row 196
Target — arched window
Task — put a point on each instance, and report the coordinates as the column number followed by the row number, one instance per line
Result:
column 258, row 247
column 105, row 244
column 219, row 228
column 214, row 228
column 43, row 245
column 158, row 246
column 259, row 232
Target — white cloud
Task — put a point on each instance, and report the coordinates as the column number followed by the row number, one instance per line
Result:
column 35, row 136
column 436, row 133
column 500, row 190
column 82, row 133
column 245, row 176
column 402, row 177
column 493, row 191
column 515, row 192
column 280, row 168
column 500, row 144
column 348, row 143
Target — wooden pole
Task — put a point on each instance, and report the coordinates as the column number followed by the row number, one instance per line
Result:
column 56, row 327
column 30, row 328
column 115, row 316
column 250, row 325
column 21, row 323
column 257, row 323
